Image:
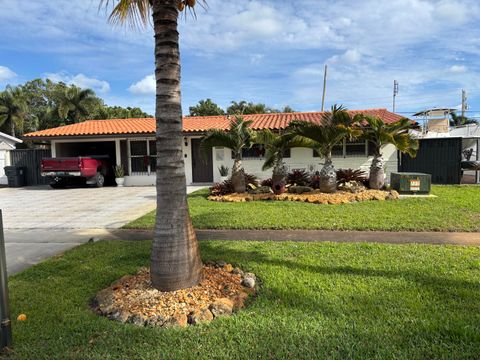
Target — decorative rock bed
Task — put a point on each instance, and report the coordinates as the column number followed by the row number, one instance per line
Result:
column 132, row 299
column 315, row 197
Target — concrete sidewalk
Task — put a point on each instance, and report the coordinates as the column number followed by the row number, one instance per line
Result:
column 403, row 237
column 26, row 247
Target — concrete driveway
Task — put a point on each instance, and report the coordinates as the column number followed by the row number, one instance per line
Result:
column 40, row 222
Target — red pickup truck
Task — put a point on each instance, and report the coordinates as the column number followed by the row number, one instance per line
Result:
column 62, row 171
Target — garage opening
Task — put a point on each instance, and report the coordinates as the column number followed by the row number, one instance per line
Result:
column 90, row 149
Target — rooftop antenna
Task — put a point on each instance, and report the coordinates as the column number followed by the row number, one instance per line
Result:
column 395, row 92
column 324, row 87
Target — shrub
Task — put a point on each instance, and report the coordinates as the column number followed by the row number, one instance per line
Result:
column 298, row 177
column 251, row 179
column 226, row 187
column 315, row 180
column 222, row 188
column 347, row 175
column 267, row 182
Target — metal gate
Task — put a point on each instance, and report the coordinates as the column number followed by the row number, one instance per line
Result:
column 31, row 159
column 440, row 158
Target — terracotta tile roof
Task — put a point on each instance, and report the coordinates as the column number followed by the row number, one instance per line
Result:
column 192, row 124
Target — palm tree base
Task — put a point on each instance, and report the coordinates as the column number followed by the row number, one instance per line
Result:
column 328, row 178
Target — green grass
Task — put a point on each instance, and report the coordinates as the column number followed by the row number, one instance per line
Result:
column 335, row 301
column 457, row 208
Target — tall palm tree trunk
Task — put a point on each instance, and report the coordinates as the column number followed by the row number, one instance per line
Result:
column 175, row 259
column 328, row 176
column 376, row 179
column 238, row 176
column 12, row 127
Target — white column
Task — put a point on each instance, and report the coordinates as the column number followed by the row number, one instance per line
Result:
column 53, row 148
column 118, row 152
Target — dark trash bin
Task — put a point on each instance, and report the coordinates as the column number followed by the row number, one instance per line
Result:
column 16, row 175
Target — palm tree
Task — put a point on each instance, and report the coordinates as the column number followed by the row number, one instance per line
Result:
column 74, row 103
column 378, row 133
column 458, row 120
column 276, row 145
column 335, row 125
column 12, row 109
column 175, row 258
column 238, row 137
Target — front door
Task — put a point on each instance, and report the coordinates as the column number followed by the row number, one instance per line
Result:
column 202, row 166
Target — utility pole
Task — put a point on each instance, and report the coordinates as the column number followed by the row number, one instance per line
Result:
column 395, row 92
column 464, row 107
column 324, row 87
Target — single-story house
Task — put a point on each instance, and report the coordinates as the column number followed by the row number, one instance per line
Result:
column 131, row 143
column 7, row 143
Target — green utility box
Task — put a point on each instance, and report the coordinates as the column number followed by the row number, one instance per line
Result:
column 411, row 183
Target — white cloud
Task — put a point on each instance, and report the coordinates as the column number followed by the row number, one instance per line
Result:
column 146, row 86
column 458, row 68
column 351, row 56
column 80, row 80
column 6, row 74
column 256, row 59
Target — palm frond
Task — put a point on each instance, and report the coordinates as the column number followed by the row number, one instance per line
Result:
column 218, row 138
column 135, row 13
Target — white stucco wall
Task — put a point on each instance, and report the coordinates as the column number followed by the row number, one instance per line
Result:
column 302, row 158
column 6, row 145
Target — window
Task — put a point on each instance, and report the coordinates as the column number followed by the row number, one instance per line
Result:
column 347, row 148
column 355, row 148
column 337, row 150
column 257, row 151
column 143, row 156
column 371, row 149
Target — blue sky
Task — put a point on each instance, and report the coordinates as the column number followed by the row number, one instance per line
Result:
column 262, row 51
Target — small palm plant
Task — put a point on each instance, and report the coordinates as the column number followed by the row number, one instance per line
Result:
column 334, row 126
column 378, row 133
column 238, row 137
column 276, row 145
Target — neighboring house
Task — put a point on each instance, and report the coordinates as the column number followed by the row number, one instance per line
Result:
column 131, row 143
column 450, row 156
column 7, row 143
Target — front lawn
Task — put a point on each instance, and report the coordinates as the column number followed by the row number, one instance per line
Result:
column 360, row 301
column 457, row 208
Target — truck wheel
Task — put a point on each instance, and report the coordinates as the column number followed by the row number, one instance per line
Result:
column 99, row 180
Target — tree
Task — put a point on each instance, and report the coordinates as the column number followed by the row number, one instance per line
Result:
column 459, row 120
column 378, row 133
column 335, row 125
column 276, row 144
column 73, row 104
column 12, row 110
column 206, row 108
column 244, row 108
column 287, row 109
column 238, row 137
column 175, row 258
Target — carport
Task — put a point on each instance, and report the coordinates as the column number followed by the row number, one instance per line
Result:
column 100, row 148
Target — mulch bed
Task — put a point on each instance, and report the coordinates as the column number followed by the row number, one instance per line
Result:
column 315, row 197
column 132, row 299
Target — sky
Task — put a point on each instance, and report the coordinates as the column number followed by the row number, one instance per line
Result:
column 272, row 52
